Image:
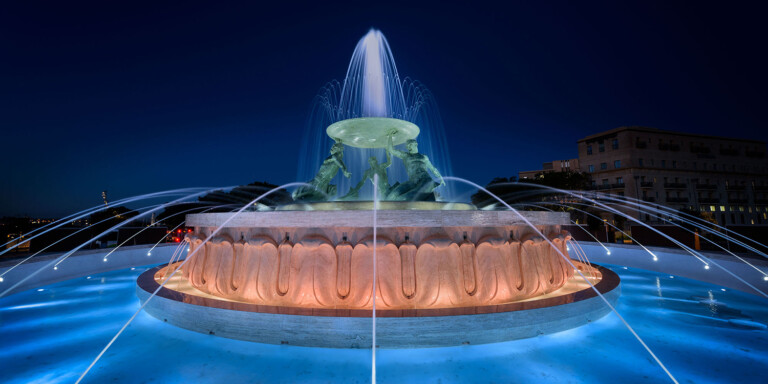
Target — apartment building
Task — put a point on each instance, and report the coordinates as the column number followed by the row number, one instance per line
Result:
column 726, row 178
column 551, row 166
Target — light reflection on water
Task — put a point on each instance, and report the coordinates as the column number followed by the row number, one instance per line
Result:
column 701, row 333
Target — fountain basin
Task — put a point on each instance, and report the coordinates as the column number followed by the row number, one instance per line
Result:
column 442, row 278
column 573, row 305
column 424, row 259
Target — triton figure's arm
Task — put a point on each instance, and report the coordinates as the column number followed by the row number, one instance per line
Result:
column 341, row 165
column 391, row 148
column 435, row 172
column 389, row 160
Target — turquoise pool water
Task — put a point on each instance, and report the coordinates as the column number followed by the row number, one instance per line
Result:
column 702, row 333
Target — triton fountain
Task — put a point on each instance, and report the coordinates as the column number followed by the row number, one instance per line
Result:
column 313, row 272
column 374, row 253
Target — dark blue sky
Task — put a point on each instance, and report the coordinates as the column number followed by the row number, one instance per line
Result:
column 135, row 98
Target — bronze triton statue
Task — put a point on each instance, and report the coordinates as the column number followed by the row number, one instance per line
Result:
column 321, row 188
column 375, row 169
column 420, row 186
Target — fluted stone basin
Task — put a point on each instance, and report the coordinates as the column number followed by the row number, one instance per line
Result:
column 427, row 263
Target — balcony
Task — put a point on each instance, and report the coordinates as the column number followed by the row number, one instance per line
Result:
column 617, row 186
column 706, row 186
column 677, row 200
column 761, row 201
column 735, row 187
column 641, row 145
column 646, row 184
column 649, row 199
column 709, row 201
column 676, row 185
column 729, row 152
column 737, row 201
column 761, row 187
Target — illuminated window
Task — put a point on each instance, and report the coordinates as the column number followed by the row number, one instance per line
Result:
column 712, row 208
column 722, row 208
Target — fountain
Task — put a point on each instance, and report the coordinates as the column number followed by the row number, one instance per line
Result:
column 313, row 272
column 357, row 263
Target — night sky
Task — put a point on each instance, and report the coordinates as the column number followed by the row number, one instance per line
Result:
column 134, row 98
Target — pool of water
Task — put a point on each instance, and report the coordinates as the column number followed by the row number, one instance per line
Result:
column 701, row 332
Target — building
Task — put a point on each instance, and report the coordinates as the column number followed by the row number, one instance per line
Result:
column 725, row 178
column 552, row 166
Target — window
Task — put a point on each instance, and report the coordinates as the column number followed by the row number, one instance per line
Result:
column 619, row 180
column 663, row 163
column 591, row 168
column 617, row 163
column 601, row 146
column 603, row 165
column 615, row 144
column 722, row 208
column 639, row 162
column 605, row 181
column 674, row 164
column 589, row 149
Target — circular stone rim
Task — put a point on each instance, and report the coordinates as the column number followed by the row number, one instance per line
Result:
column 371, row 132
column 382, row 205
column 437, row 328
column 608, row 282
column 385, row 219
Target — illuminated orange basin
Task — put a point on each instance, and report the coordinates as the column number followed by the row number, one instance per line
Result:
column 424, row 259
